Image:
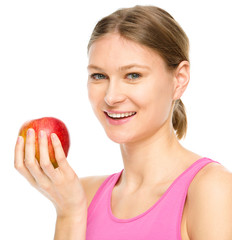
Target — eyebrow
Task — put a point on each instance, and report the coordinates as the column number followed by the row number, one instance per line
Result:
column 122, row 68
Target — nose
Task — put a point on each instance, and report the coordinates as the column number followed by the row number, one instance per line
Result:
column 114, row 94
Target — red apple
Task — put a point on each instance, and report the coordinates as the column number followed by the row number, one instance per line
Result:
column 49, row 125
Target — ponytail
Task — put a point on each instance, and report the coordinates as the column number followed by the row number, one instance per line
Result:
column 179, row 119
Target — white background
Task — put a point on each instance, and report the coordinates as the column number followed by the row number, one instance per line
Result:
column 43, row 61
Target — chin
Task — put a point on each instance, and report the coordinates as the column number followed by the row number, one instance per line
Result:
column 120, row 138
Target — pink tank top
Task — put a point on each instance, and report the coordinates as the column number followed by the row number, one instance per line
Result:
column 160, row 222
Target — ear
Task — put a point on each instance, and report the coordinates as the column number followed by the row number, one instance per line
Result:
column 182, row 77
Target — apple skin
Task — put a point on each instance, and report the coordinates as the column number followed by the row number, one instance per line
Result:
column 49, row 125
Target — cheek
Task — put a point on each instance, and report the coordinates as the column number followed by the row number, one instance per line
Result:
column 91, row 95
column 94, row 94
column 93, row 99
column 155, row 99
column 151, row 94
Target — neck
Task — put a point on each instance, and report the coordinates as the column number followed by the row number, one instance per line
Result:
column 153, row 160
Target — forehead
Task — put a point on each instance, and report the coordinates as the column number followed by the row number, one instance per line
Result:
column 113, row 48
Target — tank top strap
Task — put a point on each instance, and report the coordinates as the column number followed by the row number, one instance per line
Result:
column 104, row 190
column 173, row 201
column 188, row 175
column 179, row 188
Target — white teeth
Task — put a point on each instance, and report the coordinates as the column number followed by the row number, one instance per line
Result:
column 118, row 115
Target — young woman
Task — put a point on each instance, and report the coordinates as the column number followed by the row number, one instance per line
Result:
column 138, row 71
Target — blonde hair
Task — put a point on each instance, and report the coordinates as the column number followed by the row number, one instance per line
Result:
column 157, row 29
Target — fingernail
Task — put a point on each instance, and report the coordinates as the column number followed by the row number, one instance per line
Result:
column 53, row 136
column 29, row 132
column 41, row 133
column 19, row 139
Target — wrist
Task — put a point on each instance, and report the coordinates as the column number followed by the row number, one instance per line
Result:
column 72, row 214
column 72, row 218
column 72, row 227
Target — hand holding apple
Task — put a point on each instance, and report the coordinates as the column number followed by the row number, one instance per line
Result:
column 49, row 125
column 61, row 185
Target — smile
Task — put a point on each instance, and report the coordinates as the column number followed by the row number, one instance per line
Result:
column 120, row 115
column 115, row 118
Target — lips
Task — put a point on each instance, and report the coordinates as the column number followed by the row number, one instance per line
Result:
column 122, row 119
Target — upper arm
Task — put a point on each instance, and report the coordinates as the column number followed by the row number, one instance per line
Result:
column 210, row 205
column 91, row 185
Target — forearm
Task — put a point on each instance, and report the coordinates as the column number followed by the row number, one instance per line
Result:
column 71, row 228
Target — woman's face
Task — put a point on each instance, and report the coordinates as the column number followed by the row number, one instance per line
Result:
column 126, row 77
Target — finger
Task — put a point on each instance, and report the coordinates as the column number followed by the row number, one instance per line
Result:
column 19, row 161
column 60, row 155
column 45, row 162
column 30, row 147
column 30, row 160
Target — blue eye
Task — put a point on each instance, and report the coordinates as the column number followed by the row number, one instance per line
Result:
column 133, row 75
column 97, row 76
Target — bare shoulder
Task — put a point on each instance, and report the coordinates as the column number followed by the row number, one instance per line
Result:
column 91, row 185
column 209, row 205
column 210, row 179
